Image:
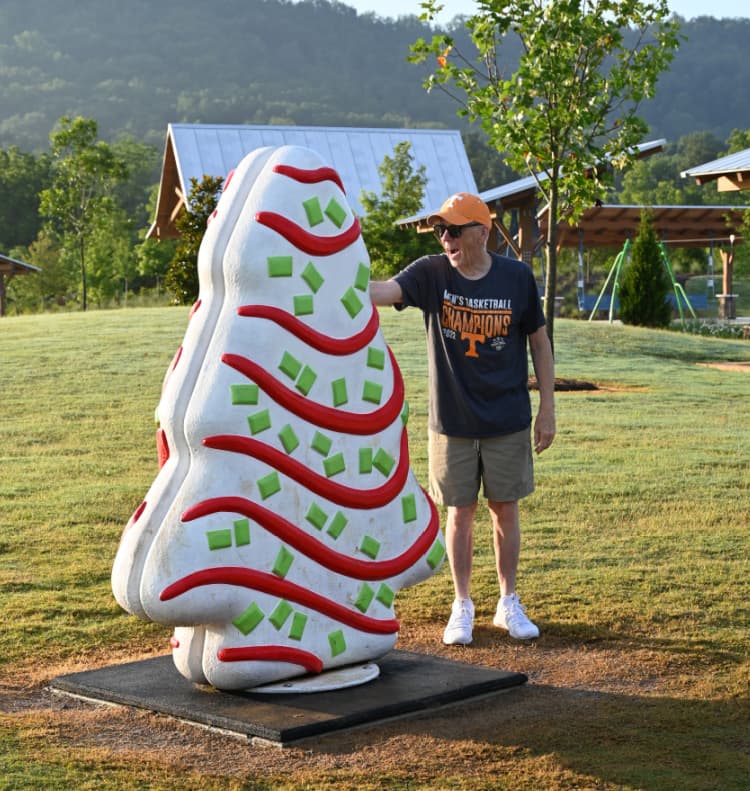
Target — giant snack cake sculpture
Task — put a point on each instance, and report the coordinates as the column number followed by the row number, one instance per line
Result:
column 285, row 516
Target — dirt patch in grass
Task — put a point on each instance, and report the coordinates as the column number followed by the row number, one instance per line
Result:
column 566, row 385
column 741, row 366
column 573, row 688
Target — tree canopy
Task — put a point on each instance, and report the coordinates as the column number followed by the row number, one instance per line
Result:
column 568, row 113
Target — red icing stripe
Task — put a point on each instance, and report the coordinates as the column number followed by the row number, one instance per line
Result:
column 172, row 365
column 324, row 416
column 319, row 341
column 273, row 585
column 319, row 484
column 309, row 243
column 314, row 549
column 307, row 176
column 137, row 514
column 162, row 447
column 272, row 653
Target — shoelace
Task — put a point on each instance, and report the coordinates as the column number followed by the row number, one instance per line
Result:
column 515, row 613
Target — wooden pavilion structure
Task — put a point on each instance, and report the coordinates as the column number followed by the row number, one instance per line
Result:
column 9, row 267
column 730, row 173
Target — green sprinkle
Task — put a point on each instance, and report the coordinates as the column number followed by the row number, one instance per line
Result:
column 303, row 305
column 306, row 380
column 365, row 597
column 280, row 266
column 316, row 516
column 351, row 302
column 333, row 465
column 290, row 365
column 372, row 392
column 288, row 438
column 370, row 547
column 321, row 443
column 337, row 642
column 268, row 485
column 281, row 612
column 338, row 523
column 435, row 557
column 335, row 213
column 298, row 626
column 383, row 462
column 249, row 619
column 244, row 394
column 362, row 278
column 385, row 595
column 409, row 508
column 313, row 211
column 260, row 421
column 312, row 277
column 219, row 539
column 365, row 460
column 283, row 562
column 375, row 358
column 242, row 532
column 340, row 395
column 405, row 413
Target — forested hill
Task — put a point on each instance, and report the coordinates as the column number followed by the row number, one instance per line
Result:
column 135, row 65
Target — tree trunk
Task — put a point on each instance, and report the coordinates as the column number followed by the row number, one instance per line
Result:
column 550, row 284
column 83, row 274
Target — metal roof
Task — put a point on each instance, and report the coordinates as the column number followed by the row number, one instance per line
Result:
column 732, row 171
column 521, row 191
column 195, row 150
column 11, row 266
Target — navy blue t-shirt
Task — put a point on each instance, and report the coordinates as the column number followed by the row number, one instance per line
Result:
column 477, row 343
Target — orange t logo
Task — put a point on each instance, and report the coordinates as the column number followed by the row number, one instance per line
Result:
column 472, row 337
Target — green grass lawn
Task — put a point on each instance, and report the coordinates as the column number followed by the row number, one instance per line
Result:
column 637, row 537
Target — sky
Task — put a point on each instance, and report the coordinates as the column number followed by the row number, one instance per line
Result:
column 688, row 9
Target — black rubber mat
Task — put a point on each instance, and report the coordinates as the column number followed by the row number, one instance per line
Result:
column 408, row 683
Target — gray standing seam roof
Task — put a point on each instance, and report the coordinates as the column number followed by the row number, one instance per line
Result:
column 731, row 163
column 355, row 153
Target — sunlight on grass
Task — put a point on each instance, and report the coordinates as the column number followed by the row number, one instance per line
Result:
column 636, row 535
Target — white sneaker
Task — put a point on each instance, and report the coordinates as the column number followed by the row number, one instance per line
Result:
column 460, row 624
column 511, row 615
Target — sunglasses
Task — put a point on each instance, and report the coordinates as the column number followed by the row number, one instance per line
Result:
column 454, row 231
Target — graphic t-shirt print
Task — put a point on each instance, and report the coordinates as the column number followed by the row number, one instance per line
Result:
column 476, row 321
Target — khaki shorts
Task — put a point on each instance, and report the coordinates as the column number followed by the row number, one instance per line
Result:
column 504, row 466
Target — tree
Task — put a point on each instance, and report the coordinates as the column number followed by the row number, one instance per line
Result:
column 182, row 275
column 84, row 173
column 568, row 113
column 389, row 246
column 645, row 283
column 22, row 177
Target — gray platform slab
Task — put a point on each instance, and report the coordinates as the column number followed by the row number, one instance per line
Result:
column 408, row 683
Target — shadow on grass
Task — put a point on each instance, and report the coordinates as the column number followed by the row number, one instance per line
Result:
column 653, row 743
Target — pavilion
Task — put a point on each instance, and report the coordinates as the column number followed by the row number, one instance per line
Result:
column 730, row 173
column 8, row 268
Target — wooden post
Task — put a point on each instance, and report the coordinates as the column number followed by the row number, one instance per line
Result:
column 727, row 306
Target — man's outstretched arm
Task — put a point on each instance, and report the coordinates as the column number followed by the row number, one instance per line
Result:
column 385, row 292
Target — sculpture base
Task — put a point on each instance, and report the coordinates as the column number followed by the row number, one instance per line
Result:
column 408, row 683
column 340, row 678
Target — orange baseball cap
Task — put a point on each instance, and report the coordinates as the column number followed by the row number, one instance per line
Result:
column 461, row 209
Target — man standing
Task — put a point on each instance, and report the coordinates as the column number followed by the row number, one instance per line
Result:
column 479, row 308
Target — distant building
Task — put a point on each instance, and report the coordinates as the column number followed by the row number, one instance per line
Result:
column 197, row 150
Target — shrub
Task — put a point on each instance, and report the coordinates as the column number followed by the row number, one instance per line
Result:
column 645, row 282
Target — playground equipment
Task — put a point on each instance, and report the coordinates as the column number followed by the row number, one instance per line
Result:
column 608, row 301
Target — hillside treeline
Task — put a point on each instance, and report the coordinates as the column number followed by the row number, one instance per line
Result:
column 138, row 65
